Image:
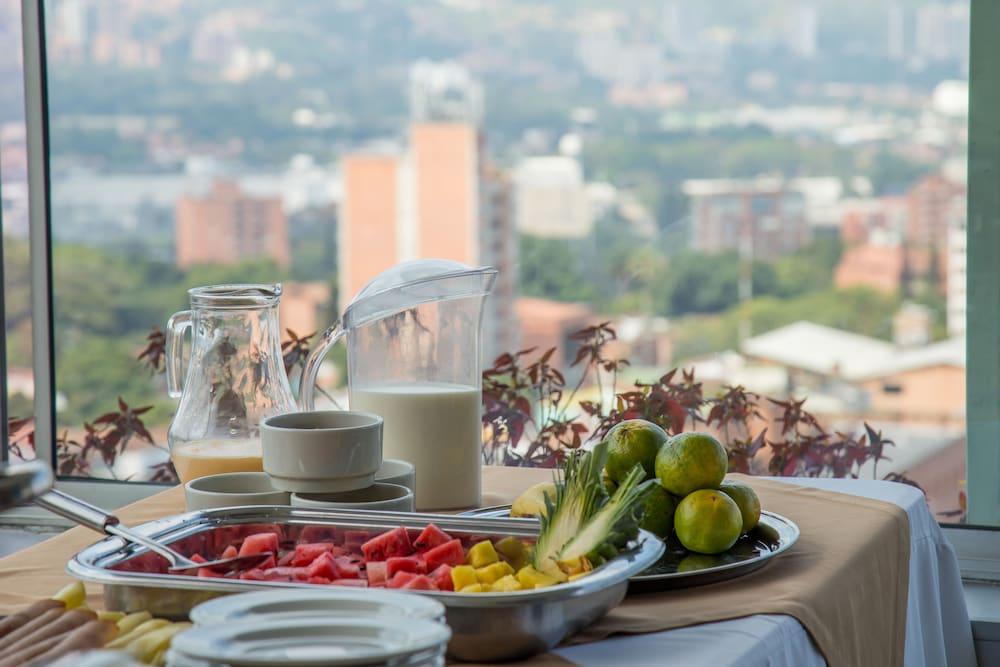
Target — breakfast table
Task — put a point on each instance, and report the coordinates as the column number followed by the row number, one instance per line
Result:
column 937, row 627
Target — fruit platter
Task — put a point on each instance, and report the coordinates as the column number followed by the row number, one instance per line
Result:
column 483, row 570
column 713, row 529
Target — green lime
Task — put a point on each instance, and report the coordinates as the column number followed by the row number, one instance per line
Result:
column 708, row 522
column 691, row 461
column 658, row 511
column 630, row 442
column 746, row 499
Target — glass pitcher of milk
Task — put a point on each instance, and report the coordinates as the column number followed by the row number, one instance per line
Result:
column 414, row 357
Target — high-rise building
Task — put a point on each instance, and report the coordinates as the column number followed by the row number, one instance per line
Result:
column 227, row 226
column 551, row 197
column 803, row 31
column 942, row 32
column 955, row 278
column 933, row 204
column 444, row 91
column 763, row 217
column 895, row 33
column 437, row 198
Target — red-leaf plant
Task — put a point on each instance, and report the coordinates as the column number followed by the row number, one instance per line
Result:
column 111, row 433
column 529, row 419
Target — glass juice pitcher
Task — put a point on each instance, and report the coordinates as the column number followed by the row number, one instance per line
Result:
column 235, row 378
column 414, row 357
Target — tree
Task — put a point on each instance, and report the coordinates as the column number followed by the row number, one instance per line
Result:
column 549, row 268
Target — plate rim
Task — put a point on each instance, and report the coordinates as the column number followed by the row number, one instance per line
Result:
column 772, row 517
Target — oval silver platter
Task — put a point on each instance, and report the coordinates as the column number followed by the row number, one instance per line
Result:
column 678, row 568
column 486, row 627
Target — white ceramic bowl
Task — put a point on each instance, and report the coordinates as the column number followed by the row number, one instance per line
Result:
column 232, row 489
column 380, row 496
column 326, row 451
column 397, row 471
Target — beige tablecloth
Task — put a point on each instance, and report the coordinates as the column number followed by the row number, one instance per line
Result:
column 845, row 581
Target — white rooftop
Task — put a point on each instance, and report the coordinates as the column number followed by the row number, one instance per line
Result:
column 820, row 349
column 829, row 351
column 949, row 352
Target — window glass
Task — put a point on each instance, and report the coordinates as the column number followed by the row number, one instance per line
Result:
column 14, row 219
column 770, row 194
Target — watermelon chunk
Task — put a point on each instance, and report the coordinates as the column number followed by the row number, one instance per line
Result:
column 286, row 574
column 198, row 558
column 256, row 574
column 358, row 583
column 268, row 563
column 395, row 542
column 377, row 572
column 324, row 565
column 404, row 564
column 229, row 552
column 421, row 582
column 307, row 553
column 313, row 534
column 442, row 578
column 323, row 581
column 430, row 537
column 286, row 560
column 349, row 568
column 357, row 536
column 449, row 553
column 259, row 543
column 401, row 579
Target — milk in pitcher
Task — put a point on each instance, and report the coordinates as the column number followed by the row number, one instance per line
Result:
column 438, row 428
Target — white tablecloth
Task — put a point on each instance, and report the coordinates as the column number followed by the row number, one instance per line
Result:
column 938, row 632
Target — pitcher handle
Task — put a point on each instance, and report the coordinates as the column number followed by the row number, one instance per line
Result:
column 307, row 383
column 176, row 326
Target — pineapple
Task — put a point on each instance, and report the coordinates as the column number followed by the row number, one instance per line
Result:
column 493, row 572
column 462, row 576
column 582, row 522
column 473, row 588
column 529, row 577
column 482, row 554
column 505, row 584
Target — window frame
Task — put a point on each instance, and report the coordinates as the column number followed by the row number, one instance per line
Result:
column 105, row 493
column 978, row 546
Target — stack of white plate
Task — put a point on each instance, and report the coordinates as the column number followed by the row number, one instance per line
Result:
column 322, row 628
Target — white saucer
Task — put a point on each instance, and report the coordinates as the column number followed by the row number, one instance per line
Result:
column 317, row 643
column 302, row 604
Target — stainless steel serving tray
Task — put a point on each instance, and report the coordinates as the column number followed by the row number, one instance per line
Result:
column 485, row 627
column 677, row 568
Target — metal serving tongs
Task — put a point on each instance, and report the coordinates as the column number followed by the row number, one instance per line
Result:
column 97, row 519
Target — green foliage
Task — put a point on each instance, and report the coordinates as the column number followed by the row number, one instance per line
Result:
column 550, row 268
column 859, row 310
column 93, row 371
column 695, row 283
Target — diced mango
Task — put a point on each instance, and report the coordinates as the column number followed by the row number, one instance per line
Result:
column 482, row 554
column 473, row 588
column 490, row 573
column 505, row 584
column 529, row 577
column 462, row 576
column 578, row 575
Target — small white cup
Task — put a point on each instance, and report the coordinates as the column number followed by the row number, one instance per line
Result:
column 382, row 497
column 232, row 489
column 397, row 471
column 327, row 451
